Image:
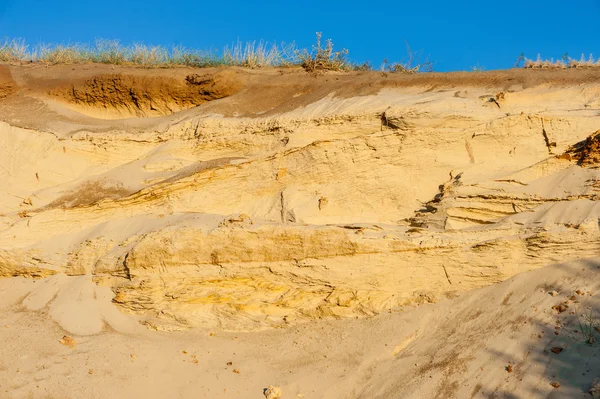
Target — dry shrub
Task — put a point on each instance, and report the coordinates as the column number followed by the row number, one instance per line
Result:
column 13, row 51
column 412, row 64
column 323, row 58
column 564, row 63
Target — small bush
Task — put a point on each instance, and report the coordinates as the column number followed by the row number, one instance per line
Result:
column 323, row 58
column 412, row 64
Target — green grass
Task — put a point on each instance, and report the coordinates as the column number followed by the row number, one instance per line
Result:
column 322, row 56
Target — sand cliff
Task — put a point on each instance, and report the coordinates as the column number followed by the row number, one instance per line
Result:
column 245, row 200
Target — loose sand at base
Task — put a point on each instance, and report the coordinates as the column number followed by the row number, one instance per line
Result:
column 459, row 348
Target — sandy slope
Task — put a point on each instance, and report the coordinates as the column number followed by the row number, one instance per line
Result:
column 262, row 206
column 457, row 348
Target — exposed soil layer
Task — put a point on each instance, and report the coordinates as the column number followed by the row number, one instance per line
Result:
column 94, row 89
column 586, row 152
column 90, row 193
column 7, row 85
column 142, row 95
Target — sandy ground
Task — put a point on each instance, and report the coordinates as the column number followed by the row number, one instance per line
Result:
column 456, row 348
column 209, row 233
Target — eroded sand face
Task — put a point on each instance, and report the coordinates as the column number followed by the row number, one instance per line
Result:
column 369, row 196
column 325, row 211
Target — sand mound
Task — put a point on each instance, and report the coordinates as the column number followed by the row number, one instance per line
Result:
column 126, row 95
column 586, row 152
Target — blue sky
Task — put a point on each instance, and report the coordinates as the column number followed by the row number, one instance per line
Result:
column 455, row 35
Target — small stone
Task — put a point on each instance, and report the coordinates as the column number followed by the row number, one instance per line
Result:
column 553, row 293
column 91, row 371
column 132, row 356
column 556, row 349
column 236, row 371
column 561, row 307
column 68, row 341
column 272, row 392
column 230, row 363
column 509, row 368
column 555, row 384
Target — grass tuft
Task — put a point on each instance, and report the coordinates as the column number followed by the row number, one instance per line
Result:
column 13, row 51
column 564, row 63
column 410, row 65
column 259, row 54
column 323, row 57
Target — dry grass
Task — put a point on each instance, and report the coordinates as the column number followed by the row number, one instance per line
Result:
column 322, row 56
column 252, row 54
column 260, row 54
column 563, row 63
column 13, row 51
column 584, row 62
column 412, row 64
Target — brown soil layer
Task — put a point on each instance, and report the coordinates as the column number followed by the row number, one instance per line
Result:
column 89, row 193
column 258, row 92
column 7, row 85
column 148, row 95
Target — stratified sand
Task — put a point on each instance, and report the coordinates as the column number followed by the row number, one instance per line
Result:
column 339, row 236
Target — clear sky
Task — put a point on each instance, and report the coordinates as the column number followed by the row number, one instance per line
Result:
column 456, row 35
